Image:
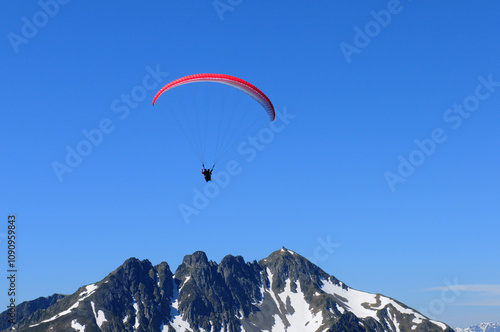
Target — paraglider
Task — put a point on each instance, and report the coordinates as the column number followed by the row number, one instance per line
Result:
column 236, row 82
column 207, row 173
column 232, row 81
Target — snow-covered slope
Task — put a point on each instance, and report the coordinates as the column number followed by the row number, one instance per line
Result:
column 481, row 327
column 298, row 296
column 281, row 293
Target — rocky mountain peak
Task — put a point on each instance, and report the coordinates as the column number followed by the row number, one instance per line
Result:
column 281, row 292
column 285, row 264
column 196, row 260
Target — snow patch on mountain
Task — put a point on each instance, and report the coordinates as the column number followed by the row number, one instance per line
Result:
column 441, row 325
column 177, row 322
column 393, row 320
column 293, row 307
column 284, row 292
column 62, row 313
column 136, row 311
column 76, row 326
column 358, row 302
column 89, row 290
column 364, row 305
column 289, row 251
column 481, row 327
column 99, row 317
column 301, row 315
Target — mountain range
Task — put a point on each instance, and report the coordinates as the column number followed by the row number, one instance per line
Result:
column 283, row 292
column 481, row 327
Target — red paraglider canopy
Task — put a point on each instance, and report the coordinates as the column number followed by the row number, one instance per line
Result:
column 236, row 82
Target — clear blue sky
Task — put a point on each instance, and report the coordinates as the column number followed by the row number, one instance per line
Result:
column 337, row 172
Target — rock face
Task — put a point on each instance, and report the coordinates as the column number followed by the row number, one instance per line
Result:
column 283, row 292
column 33, row 308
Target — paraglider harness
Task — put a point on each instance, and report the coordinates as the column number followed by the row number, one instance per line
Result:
column 207, row 173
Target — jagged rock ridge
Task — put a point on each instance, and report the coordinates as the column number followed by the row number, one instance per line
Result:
column 283, row 292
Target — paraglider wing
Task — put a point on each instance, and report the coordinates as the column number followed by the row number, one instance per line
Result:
column 236, row 82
